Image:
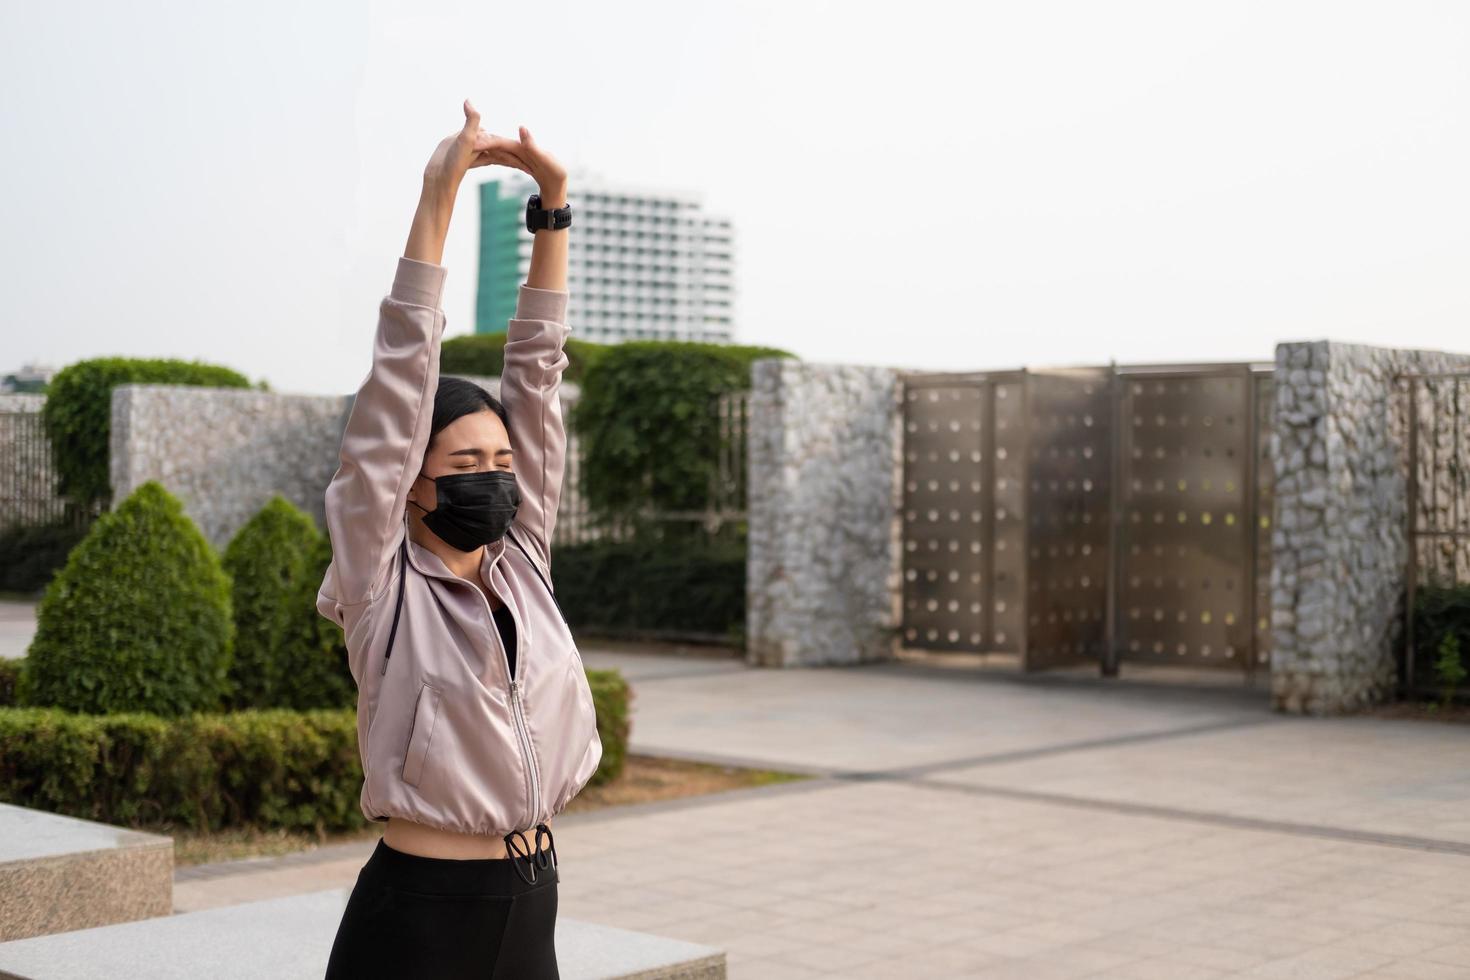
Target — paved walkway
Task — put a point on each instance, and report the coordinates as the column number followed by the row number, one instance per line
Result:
column 17, row 627
column 990, row 825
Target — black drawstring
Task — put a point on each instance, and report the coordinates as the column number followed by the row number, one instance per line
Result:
column 542, row 857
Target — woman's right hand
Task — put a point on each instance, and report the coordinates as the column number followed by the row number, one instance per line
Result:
column 469, row 147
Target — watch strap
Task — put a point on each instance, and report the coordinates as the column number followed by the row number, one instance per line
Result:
column 538, row 218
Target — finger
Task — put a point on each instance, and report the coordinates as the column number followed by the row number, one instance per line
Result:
column 482, row 160
column 526, row 137
column 516, row 151
column 484, row 140
column 503, row 158
column 515, row 164
column 471, row 117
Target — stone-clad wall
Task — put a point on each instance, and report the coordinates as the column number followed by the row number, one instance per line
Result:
column 824, row 494
column 225, row 451
column 1340, row 449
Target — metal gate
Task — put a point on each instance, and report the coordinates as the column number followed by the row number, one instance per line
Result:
column 1437, row 514
column 28, row 478
column 1089, row 515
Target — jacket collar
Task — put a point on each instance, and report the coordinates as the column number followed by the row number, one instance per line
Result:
column 431, row 564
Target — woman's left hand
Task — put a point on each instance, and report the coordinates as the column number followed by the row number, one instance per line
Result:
column 527, row 155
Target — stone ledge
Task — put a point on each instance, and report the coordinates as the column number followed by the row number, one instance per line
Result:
column 286, row 938
column 60, row 873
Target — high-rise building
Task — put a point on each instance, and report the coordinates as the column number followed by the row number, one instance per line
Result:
column 643, row 264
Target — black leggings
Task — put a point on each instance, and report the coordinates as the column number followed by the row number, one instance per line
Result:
column 410, row 916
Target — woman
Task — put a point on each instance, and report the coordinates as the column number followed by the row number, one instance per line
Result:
column 474, row 721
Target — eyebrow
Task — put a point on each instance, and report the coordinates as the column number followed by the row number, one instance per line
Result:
column 480, row 452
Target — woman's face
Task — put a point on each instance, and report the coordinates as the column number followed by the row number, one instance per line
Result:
column 471, row 443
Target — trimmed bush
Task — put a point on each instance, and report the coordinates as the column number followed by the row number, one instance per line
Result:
column 287, row 655
column 274, row 769
column 647, row 417
column 268, row 769
column 483, row 355
column 9, row 680
column 311, row 651
column 650, row 588
column 77, row 414
column 1441, row 635
column 31, row 555
column 611, row 696
column 137, row 620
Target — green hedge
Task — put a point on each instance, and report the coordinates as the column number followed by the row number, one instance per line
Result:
column 611, row 697
column 77, row 414
column 9, row 678
column 31, row 555
column 648, row 588
column 483, row 355
column 268, row 769
column 311, row 650
column 273, row 769
column 647, row 417
column 137, row 620
column 287, row 655
column 1441, row 636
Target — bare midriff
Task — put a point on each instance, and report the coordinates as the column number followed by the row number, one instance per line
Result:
column 421, row 839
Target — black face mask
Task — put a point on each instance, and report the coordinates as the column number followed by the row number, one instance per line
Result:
column 474, row 509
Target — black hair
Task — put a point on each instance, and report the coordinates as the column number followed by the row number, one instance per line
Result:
column 457, row 397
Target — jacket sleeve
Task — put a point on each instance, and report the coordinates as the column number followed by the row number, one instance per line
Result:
column 384, row 441
column 530, row 390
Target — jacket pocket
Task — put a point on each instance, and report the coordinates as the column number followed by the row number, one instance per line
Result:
column 425, row 713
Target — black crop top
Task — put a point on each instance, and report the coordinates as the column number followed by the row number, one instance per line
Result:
column 507, row 626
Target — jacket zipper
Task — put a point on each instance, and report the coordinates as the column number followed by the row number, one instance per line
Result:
column 520, row 706
column 518, row 711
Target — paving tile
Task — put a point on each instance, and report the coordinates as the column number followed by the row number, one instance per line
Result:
column 1400, row 939
column 1451, row 954
column 1412, row 969
column 1321, row 963
column 959, row 872
column 769, row 969
column 1159, row 968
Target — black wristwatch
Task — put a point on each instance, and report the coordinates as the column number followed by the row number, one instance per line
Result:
column 538, row 217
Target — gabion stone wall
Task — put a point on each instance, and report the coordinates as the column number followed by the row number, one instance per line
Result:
column 824, row 493
column 225, row 451
column 1340, row 449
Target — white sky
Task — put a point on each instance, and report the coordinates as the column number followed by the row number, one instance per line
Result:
column 927, row 185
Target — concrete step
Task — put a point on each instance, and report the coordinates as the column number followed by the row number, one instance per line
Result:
column 59, row 873
column 291, row 937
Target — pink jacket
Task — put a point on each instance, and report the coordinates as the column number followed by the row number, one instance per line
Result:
column 447, row 737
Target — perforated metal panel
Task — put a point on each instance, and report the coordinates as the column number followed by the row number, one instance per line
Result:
column 946, row 526
column 1090, row 515
column 1186, row 585
column 1070, row 415
column 1008, row 475
column 1265, row 481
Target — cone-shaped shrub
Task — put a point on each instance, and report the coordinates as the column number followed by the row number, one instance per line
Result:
column 266, row 560
column 311, row 655
column 138, row 619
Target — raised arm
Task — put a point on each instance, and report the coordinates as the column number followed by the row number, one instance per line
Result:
column 530, row 389
column 535, row 359
column 388, row 427
column 386, row 434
